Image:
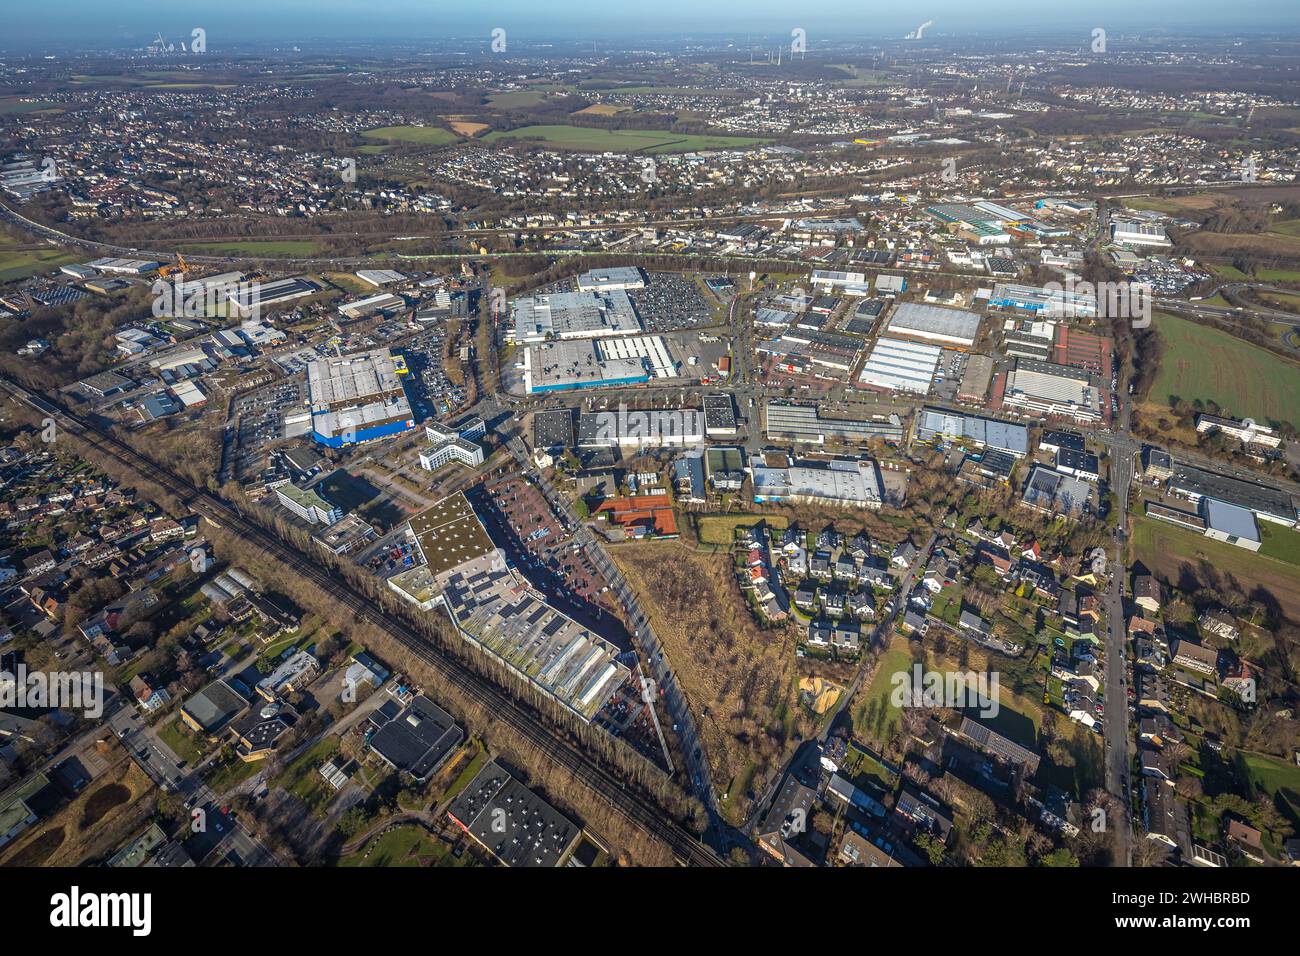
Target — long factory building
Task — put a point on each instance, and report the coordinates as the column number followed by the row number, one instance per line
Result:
column 357, row 398
column 497, row 611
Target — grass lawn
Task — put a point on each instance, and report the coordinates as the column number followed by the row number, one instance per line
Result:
column 1278, row 275
column 405, row 846
column 875, row 719
column 1229, row 272
column 947, row 604
column 623, row 140
column 1279, row 779
column 301, row 779
column 223, row 775
column 1245, row 380
column 467, row 774
column 721, row 529
column 1279, row 542
column 180, row 739
column 423, row 135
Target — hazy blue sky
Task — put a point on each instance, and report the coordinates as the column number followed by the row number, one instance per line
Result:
column 108, row 23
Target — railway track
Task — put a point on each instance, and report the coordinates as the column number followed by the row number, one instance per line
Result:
column 686, row 848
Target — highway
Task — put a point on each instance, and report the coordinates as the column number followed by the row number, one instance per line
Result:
column 649, row 817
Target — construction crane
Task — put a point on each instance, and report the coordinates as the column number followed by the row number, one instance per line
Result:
column 181, row 266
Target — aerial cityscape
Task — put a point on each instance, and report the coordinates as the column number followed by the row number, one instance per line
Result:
column 532, row 439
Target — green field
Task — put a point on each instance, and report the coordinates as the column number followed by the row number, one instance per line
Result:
column 1287, row 227
column 1279, row 779
column 423, row 135
column 1278, row 275
column 180, row 739
column 17, row 263
column 622, row 140
column 514, row 100
column 1230, row 272
column 13, row 106
column 875, row 718
column 1279, row 542
column 255, row 247
column 1166, row 548
column 405, row 846
column 1245, row 380
column 1154, row 204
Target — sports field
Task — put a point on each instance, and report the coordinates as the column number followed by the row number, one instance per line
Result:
column 623, row 140
column 1245, row 380
column 423, row 135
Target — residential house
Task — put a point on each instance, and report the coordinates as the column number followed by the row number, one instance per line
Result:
column 1146, row 593
column 1197, row 657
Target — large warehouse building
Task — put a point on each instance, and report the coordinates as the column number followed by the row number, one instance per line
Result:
column 935, row 323
column 631, row 428
column 899, row 365
column 561, row 366
column 500, row 613
column 1009, row 437
column 1056, row 303
column 357, row 398
column 1135, row 232
column 1045, row 388
column 841, row 481
column 574, row 315
column 804, row 424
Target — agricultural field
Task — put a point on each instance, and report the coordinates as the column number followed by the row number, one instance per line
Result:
column 1205, row 363
column 602, row 109
column 740, row 680
column 12, row 106
column 421, row 135
column 463, row 127
column 1178, row 555
column 18, row 260
column 515, row 99
column 622, row 140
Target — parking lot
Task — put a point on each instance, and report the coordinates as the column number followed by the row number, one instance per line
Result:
column 260, row 418
column 671, row 302
column 431, row 392
column 541, row 546
column 947, row 375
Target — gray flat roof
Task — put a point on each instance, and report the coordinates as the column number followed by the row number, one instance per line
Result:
column 1260, row 499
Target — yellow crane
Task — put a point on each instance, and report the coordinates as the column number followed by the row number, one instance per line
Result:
column 181, row 266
